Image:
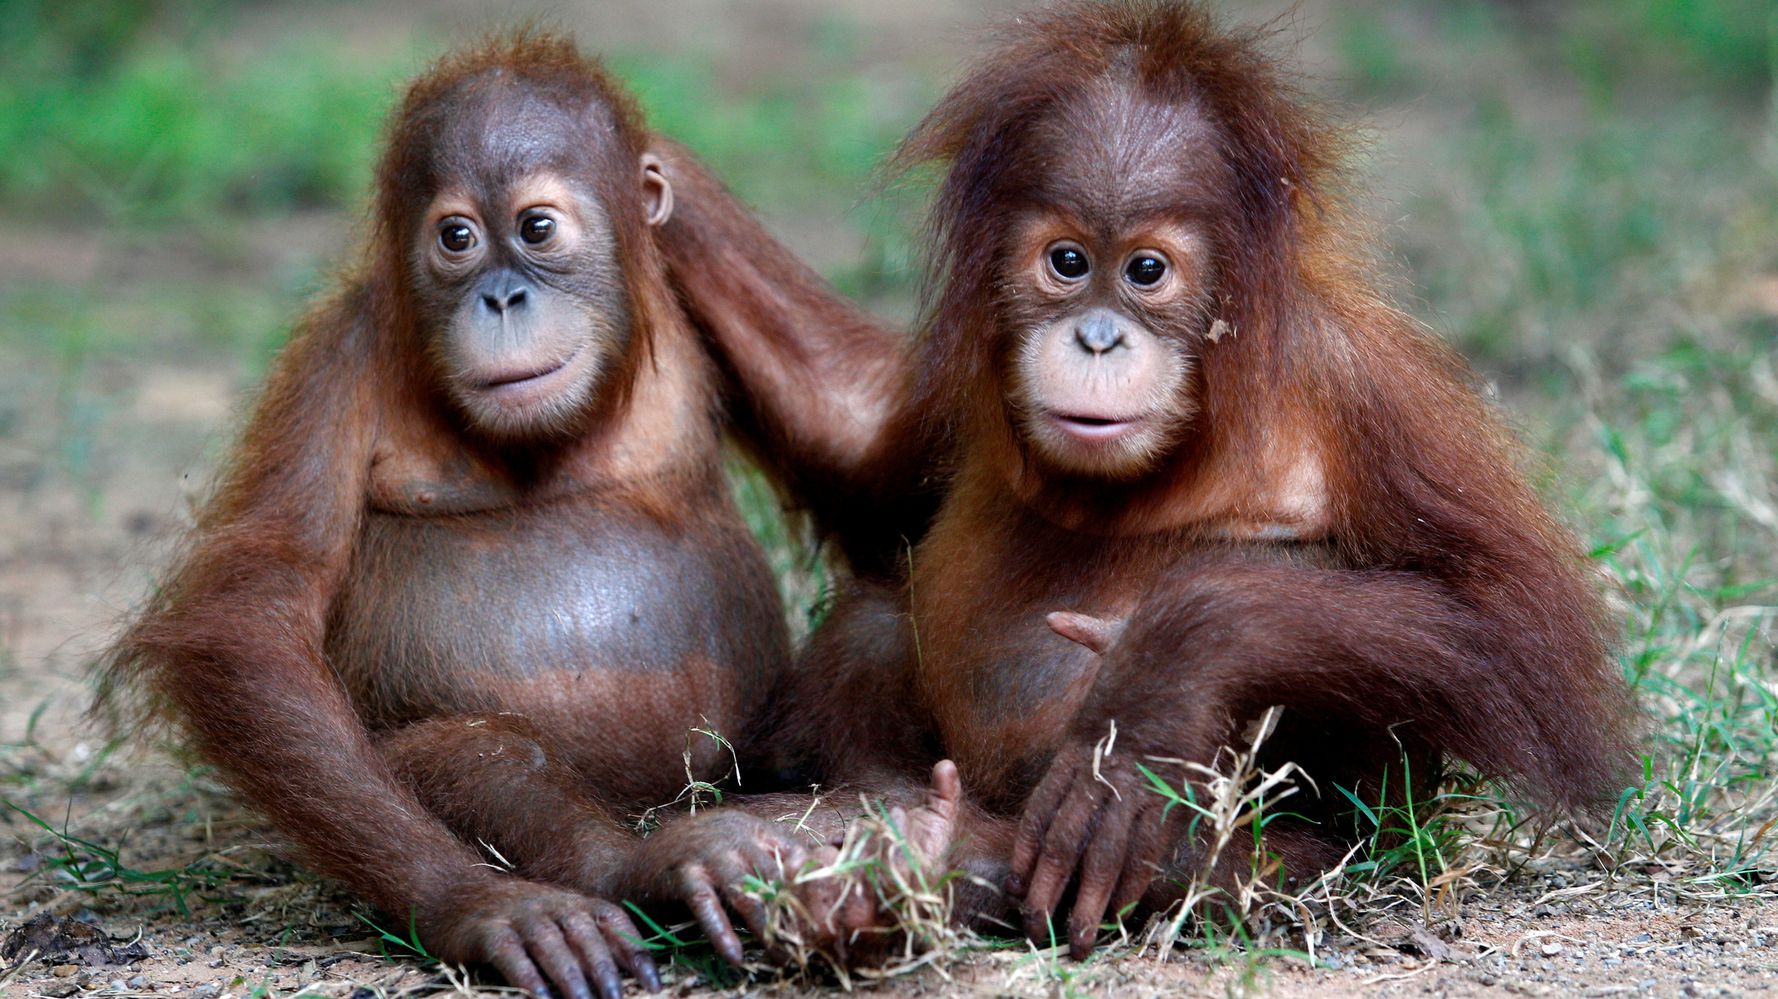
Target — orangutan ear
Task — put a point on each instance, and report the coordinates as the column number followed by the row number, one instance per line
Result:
column 657, row 193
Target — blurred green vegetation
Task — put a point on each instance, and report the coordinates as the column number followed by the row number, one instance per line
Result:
column 141, row 111
column 145, row 111
column 1721, row 46
column 153, row 117
column 152, row 124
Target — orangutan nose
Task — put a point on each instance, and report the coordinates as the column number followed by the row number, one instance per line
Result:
column 1098, row 331
column 503, row 291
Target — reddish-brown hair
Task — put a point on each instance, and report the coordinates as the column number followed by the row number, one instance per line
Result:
column 1420, row 475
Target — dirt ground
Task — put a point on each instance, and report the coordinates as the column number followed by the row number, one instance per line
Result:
column 98, row 466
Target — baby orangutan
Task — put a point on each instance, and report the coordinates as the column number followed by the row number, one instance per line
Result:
column 474, row 574
column 1200, row 467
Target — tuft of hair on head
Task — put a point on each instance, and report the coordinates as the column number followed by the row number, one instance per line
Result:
column 1170, row 52
column 544, row 61
column 1282, row 153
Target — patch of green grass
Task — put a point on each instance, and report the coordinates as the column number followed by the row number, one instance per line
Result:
column 94, row 868
column 400, row 946
column 1601, row 186
column 171, row 131
column 1601, row 234
column 1400, row 834
column 1687, row 492
column 684, row 946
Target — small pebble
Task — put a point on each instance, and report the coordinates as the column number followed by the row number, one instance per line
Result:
column 64, row 970
column 1551, row 949
column 139, row 981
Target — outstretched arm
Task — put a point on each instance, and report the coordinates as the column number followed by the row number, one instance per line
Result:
column 1376, row 651
column 818, row 386
column 233, row 646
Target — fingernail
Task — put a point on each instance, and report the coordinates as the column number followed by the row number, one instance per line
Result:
column 646, row 971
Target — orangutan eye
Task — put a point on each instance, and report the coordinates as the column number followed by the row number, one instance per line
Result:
column 456, row 236
column 1069, row 262
column 1145, row 269
column 537, row 229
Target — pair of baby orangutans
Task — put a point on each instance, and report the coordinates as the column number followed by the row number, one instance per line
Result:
column 1163, row 455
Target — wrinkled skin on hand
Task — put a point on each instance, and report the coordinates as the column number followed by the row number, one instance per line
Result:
column 1094, row 819
column 548, row 941
column 835, row 895
column 1096, row 823
column 705, row 861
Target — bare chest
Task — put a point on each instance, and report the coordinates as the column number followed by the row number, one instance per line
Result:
column 454, row 612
